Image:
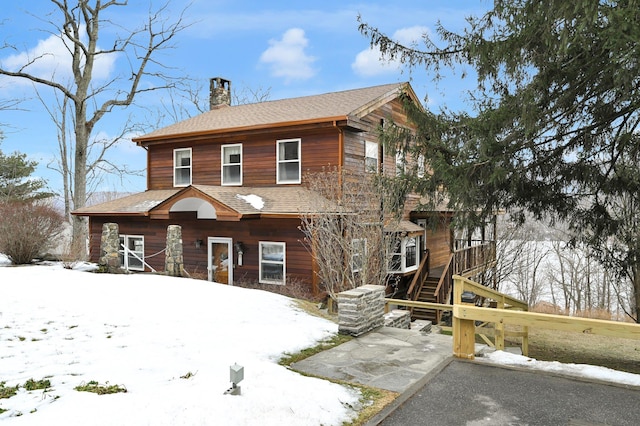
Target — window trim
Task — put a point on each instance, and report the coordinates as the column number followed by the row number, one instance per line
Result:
column 279, row 161
column 176, row 167
column 124, row 262
column 263, row 280
column 403, row 255
column 368, row 148
column 420, row 167
column 223, row 164
column 401, row 163
column 416, row 243
column 362, row 252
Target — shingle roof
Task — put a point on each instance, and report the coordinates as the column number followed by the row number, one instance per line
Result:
column 292, row 110
column 282, row 200
column 138, row 203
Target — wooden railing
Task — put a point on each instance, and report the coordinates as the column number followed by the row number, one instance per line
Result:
column 502, row 302
column 469, row 261
column 419, row 278
column 512, row 311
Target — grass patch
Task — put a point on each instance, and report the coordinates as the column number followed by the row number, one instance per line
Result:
column 32, row 385
column 7, row 392
column 329, row 343
column 312, row 308
column 95, row 387
column 579, row 348
column 373, row 400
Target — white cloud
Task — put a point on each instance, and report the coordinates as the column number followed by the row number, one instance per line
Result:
column 372, row 62
column 52, row 60
column 287, row 56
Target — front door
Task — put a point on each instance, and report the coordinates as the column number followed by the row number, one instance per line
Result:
column 220, row 265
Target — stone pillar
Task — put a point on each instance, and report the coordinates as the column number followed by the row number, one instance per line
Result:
column 109, row 247
column 174, row 263
column 361, row 310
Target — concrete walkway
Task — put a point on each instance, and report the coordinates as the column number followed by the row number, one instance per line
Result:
column 388, row 358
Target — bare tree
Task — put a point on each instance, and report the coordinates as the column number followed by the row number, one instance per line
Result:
column 79, row 25
column 347, row 230
column 191, row 97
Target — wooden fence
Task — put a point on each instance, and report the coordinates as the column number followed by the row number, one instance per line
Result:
column 466, row 315
column 509, row 311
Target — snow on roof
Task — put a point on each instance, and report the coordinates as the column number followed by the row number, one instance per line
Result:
column 254, row 200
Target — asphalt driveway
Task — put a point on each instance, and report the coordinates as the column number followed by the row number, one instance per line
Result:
column 468, row 393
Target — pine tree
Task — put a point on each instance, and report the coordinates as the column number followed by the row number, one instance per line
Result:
column 16, row 182
column 555, row 125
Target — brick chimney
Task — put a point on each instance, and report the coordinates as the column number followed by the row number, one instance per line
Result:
column 220, row 93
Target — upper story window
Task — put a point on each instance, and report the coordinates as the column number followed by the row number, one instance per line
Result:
column 182, row 167
column 420, row 166
column 371, row 157
column 288, row 159
column 232, row 164
column 400, row 163
column 358, row 253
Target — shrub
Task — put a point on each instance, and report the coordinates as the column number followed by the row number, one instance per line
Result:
column 28, row 229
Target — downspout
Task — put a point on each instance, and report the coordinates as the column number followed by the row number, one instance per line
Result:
column 340, row 151
column 148, row 168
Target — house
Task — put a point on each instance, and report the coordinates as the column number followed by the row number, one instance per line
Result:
column 233, row 179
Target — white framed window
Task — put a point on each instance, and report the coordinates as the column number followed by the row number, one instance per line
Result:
column 182, row 167
column 272, row 257
column 371, row 157
column 420, row 166
column 289, row 161
column 231, row 164
column 403, row 255
column 400, row 163
column 423, row 224
column 358, row 253
column 410, row 246
column 131, row 252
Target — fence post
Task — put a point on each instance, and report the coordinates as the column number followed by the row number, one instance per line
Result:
column 464, row 331
column 499, row 327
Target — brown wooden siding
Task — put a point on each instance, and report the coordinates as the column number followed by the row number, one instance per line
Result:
column 249, row 232
column 439, row 237
column 319, row 148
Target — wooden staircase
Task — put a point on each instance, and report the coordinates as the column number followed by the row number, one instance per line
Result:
column 426, row 294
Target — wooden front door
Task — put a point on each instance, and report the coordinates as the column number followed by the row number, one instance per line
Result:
column 220, row 265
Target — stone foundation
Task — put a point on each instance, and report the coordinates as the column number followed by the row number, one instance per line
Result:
column 361, row 310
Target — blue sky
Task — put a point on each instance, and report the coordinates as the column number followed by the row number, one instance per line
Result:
column 288, row 48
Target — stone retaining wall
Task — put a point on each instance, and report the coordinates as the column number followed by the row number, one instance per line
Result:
column 398, row 318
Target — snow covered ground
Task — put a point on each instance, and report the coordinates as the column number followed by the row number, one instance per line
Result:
column 170, row 342
column 144, row 332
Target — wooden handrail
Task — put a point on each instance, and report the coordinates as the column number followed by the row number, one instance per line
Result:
column 419, row 277
column 446, row 271
column 474, row 258
column 483, row 291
